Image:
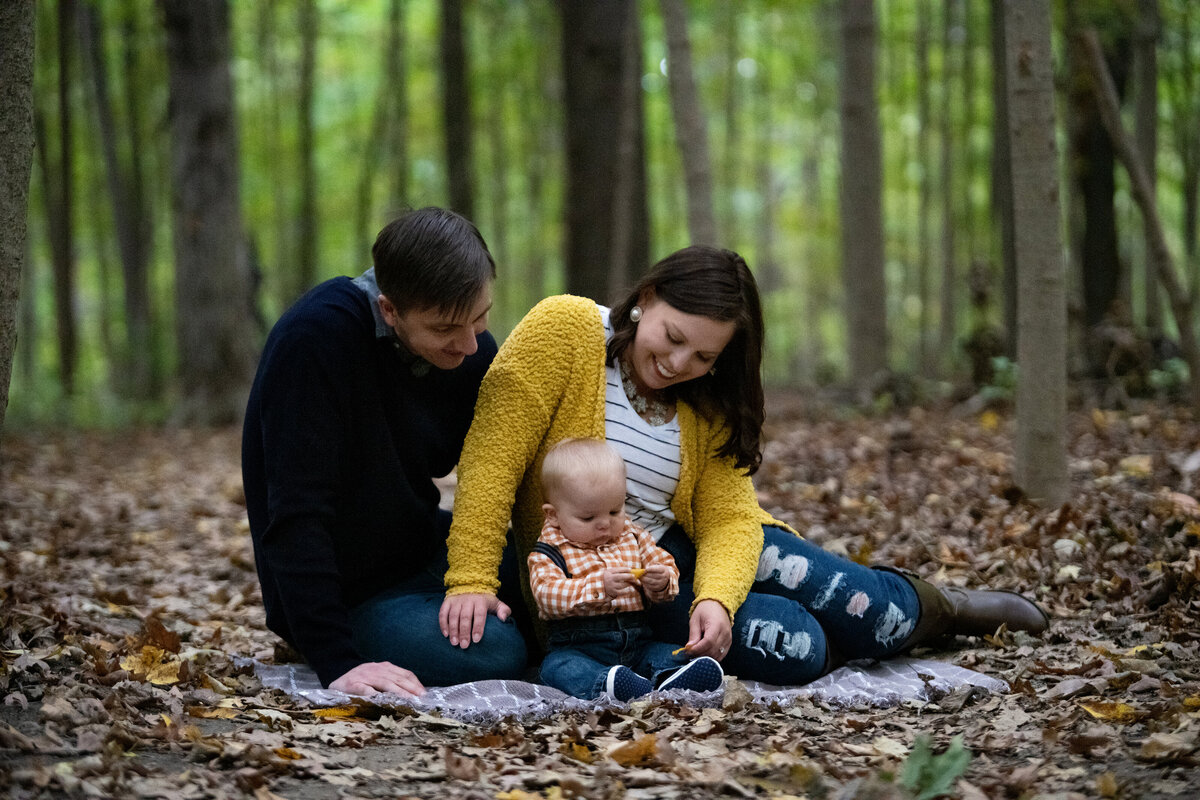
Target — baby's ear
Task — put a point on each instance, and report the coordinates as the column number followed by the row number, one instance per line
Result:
column 551, row 513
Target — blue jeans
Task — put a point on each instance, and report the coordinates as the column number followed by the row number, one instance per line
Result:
column 583, row 650
column 400, row 625
column 803, row 603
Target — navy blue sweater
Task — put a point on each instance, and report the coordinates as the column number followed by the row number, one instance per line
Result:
column 343, row 436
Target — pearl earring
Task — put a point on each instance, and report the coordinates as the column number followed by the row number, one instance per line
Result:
column 635, row 314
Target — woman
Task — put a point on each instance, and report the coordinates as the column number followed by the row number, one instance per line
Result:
column 671, row 377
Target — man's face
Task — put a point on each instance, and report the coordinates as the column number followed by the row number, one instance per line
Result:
column 439, row 337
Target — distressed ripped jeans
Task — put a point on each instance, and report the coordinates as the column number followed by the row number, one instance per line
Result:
column 804, row 600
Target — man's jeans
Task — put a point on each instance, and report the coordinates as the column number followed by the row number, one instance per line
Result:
column 400, row 625
column 583, row 650
column 803, row 602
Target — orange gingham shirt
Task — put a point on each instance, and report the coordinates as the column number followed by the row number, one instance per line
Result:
column 582, row 595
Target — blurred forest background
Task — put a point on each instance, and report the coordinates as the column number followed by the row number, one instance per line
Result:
column 198, row 165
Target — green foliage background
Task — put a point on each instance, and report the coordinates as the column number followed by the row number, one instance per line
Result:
column 767, row 72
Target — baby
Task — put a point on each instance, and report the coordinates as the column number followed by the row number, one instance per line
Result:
column 592, row 572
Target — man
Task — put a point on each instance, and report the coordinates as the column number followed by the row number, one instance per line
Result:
column 363, row 395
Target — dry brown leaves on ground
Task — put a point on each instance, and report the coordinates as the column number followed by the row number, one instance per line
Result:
column 128, row 589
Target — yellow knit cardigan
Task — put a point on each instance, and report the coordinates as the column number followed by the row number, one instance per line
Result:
column 546, row 384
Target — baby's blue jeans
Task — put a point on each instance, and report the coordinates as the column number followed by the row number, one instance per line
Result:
column 583, row 650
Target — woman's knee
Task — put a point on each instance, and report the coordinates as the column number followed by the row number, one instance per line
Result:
column 776, row 641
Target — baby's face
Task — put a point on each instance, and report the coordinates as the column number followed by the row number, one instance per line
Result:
column 591, row 513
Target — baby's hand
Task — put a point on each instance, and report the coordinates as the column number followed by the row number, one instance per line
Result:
column 617, row 581
column 657, row 582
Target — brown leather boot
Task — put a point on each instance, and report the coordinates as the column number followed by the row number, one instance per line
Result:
column 950, row 611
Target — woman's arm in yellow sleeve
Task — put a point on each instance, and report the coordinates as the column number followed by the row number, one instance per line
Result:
column 728, row 533
column 512, row 416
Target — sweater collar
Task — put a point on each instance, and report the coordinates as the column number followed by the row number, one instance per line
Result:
column 370, row 287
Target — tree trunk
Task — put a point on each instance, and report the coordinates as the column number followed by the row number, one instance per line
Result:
column 949, row 282
column 284, row 251
column 1002, row 190
column 1092, row 167
column 212, row 287
column 1041, row 448
column 924, row 88
column 385, row 147
column 135, row 374
column 59, row 197
column 731, row 112
column 862, row 197
column 397, row 136
column 1184, row 94
column 16, row 160
column 456, row 106
column 691, row 130
column 1143, row 193
column 607, row 236
column 307, row 218
column 1145, row 81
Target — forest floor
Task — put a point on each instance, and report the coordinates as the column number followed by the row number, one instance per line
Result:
column 128, row 588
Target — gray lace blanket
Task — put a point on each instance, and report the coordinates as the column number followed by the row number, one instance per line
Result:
column 860, row 684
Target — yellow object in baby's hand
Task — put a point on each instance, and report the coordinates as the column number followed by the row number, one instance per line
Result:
column 638, row 572
column 679, row 650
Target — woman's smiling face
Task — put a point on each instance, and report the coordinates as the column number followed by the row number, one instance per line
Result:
column 671, row 347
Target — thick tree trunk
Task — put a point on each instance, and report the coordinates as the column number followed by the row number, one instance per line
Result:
column 16, row 160
column 862, row 197
column 607, row 236
column 212, row 288
column 1002, row 191
column 456, row 106
column 691, row 130
column 1041, row 451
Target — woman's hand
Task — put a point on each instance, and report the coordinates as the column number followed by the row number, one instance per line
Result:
column 379, row 676
column 463, row 616
column 709, row 631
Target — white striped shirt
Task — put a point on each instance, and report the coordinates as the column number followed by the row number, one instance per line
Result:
column 651, row 454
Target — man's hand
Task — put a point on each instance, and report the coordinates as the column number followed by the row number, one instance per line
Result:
column 618, row 580
column 463, row 616
column 657, row 583
column 709, row 631
column 379, row 676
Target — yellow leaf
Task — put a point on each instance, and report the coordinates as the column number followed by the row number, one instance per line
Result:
column 1191, row 703
column 1111, row 712
column 577, row 751
column 517, row 794
column 989, row 420
column 1139, row 466
column 1106, row 785
column 336, row 712
column 638, row 572
column 152, row 664
column 287, row 753
column 212, row 713
column 641, row 750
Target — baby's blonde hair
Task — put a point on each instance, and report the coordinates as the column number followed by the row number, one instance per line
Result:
column 590, row 460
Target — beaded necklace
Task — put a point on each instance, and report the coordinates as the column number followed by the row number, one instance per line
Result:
column 655, row 411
